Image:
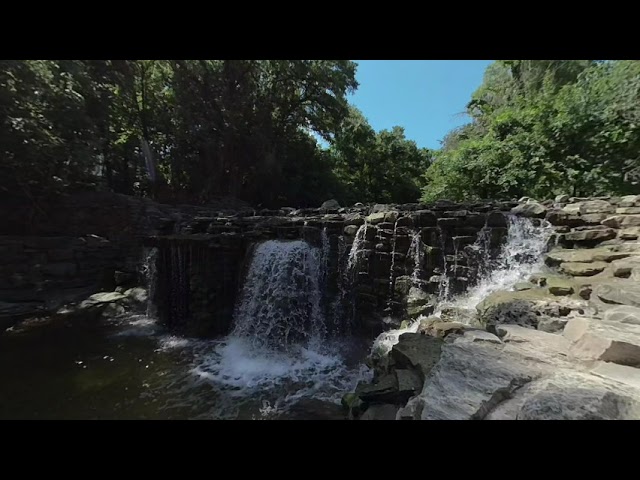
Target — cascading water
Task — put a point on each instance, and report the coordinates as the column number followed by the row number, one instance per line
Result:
column 280, row 349
column 443, row 288
column 392, row 267
column 280, row 301
column 150, row 275
column 520, row 256
column 356, row 247
column 416, row 252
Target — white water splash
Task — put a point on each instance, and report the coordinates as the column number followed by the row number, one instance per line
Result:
column 356, row 247
column 520, row 256
column 416, row 252
column 280, row 301
column 280, row 347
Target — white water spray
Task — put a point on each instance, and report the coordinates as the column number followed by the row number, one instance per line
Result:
column 520, row 256
column 280, row 347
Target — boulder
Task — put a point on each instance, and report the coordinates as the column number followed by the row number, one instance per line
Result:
column 583, row 256
column 552, row 324
column 618, row 373
column 465, row 316
column 470, row 380
column 376, row 218
column 604, row 340
column 478, row 336
column 330, row 205
column 562, row 198
column 631, row 233
column 623, row 268
column 572, row 208
column 596, row 206
column 622, row 221
column 578, row 269
column 442, row 329
column 351, row 230
column 628, row 210
column 380, row 412
column 523, row 286
column 417, row 352
column 102, row 299
column 535, row 344
column 623, row 314
column 391, row 217
column 414, row 311
column 571, row 395
column 593, row 218
column 382, row 391
column 506, row 307
column 136, row 295
column 629, row 201
column 622, row 293
column 590, row 235
column 530, row 209
column 560, row 286
column 425, row 324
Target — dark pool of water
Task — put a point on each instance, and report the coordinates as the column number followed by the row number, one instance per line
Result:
column 128, row 368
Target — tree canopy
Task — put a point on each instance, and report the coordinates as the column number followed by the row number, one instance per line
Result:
column 282, row 132
column 544, row 127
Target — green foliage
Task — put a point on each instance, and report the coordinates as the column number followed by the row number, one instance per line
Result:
column 377, row 167
column 190, row 130
column 541, row 128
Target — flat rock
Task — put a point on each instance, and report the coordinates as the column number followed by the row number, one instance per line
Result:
column 623, row 268
column 628, row 210
column 621, row 293
column 578, row 269
column 560, row 286
column 530, row 209
column 603, row 340
column 535, row 345
column 619, row 373
column 583, row 256
column 631, row 233
column 458, row 314
column 477, row 336
column 629, row 201
column 470, row 380
column 416, row 351
column 622, row 221
column 552, row 324
column 571, row 395
column 590, row 235
column 442, row 329
column 596, row 206
column 375, row 218
column 623, row 314
column 104, row 297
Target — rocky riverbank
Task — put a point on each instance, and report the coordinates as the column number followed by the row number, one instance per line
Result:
column 563, row 345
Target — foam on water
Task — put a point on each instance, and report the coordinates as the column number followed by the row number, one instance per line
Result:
column 280, row 346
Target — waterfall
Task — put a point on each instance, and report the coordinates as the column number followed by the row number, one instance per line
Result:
column 520, row 256
column 280, row 345
column 391, row 268
column 280, row 300
column 443, row 287
column 356, row 247
column 416, row 253
column 150, row 278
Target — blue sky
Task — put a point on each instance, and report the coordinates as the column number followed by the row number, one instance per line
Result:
column 426, row 97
